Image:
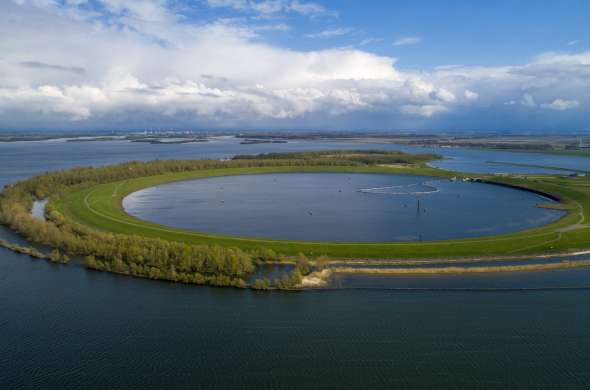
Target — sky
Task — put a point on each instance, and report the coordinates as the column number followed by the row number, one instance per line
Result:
column 375, row 65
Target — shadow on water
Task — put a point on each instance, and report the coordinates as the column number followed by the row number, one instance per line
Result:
column 578, row 278
column 270, row 272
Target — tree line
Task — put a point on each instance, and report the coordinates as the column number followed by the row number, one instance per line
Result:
column 346, row 157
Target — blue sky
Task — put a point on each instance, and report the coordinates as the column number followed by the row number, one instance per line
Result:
column 450, row 32
column 295, row 64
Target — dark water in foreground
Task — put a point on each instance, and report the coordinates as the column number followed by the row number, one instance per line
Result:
column 68, row 328
column 508, row 281
column 340, row 207
column 63, row 327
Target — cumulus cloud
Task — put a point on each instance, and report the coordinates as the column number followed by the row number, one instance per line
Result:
column 139, row 61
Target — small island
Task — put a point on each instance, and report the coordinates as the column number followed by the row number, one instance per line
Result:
column 84, row 218
column 262, row 141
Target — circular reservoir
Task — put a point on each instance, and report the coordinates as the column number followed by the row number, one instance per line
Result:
column 340, row 207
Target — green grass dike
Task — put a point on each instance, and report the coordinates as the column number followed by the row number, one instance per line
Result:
column 86, row 206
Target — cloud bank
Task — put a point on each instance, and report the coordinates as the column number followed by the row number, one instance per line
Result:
column 135, row 64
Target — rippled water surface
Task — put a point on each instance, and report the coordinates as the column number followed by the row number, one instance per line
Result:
column 340, row 207
column 63, row 327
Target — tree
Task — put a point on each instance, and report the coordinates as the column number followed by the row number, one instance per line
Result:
column 302, row 264
column 90, row 262
column 55, row 256
column 322, row 262
column 261, row 284
column 295, row 278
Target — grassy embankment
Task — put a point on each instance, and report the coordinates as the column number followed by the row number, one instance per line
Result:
column 101, row 207
column 462, row 270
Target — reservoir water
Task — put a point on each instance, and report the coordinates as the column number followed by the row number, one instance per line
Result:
column 64, row 327
column 340, row 207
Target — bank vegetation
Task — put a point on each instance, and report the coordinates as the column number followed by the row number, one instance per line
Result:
column 152, row 257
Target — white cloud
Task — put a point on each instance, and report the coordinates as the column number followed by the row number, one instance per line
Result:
column 470, row 95
column 272, row 27
column 330, row 33
column 310, row 9
column 145, row 61
column 149, row 11
column 273, row 7
column 561, row 105
column 368, row 41
column 582, row 58
column 403, row 41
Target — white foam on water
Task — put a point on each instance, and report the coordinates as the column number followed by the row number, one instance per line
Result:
column 429, row 188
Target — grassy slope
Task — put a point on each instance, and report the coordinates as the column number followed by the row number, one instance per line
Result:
column 100, row 207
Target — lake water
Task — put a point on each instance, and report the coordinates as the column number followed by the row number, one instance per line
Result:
column 64, row 327
column 340, row 207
